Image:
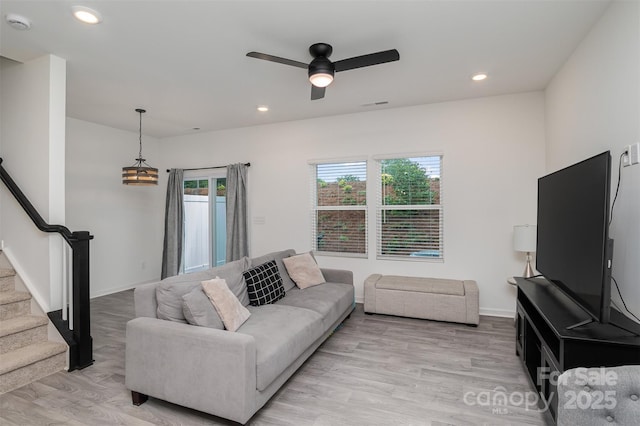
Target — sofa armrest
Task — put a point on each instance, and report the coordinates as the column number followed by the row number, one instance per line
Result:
column 203, row 368
column 337, row 275
column 145, row 301
column 472, row 301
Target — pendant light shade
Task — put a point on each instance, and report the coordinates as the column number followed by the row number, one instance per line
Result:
column 140, row 173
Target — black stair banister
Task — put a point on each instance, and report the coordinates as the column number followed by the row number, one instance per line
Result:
column 30, row 210
column 79, row 339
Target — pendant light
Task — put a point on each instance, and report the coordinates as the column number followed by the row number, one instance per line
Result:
column 140, row 173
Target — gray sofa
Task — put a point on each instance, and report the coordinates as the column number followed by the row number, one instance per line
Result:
column 599, row 396
column 228, row 374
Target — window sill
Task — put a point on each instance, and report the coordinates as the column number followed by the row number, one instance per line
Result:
column 412, row 259
column 338, row 254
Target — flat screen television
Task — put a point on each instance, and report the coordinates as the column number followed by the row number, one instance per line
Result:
column 574, row 251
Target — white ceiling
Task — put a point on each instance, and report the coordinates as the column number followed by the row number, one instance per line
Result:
column 184, row 61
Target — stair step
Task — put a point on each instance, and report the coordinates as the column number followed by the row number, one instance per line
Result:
column 7, row 282
column 7, row 272
column 30, row 363
column 22, row 331
column 14, row 304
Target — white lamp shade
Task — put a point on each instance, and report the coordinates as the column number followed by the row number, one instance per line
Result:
column 524, row 238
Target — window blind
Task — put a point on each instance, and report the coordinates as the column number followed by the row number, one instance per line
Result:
column 339, row 201
column 409, row 208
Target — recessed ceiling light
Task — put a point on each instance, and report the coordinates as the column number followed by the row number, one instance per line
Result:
column 86, row 15
column 263, row 108
column 479, row 77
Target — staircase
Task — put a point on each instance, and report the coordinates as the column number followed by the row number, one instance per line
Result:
column 26, row 355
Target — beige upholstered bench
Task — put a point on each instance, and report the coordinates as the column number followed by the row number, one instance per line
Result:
column 427, row 298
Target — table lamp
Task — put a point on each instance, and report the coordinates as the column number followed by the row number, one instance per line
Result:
column 524, row 240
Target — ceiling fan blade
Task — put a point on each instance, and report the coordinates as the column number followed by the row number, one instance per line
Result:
column 317, row 92
column 277, row 59
column 367, row 60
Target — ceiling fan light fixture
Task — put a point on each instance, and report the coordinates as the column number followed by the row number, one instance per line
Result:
column 321, row 70
column 321, row 79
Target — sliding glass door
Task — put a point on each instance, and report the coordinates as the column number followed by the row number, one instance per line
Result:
column 205, row 222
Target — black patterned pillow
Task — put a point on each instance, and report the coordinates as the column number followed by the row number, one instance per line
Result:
column 264, row 284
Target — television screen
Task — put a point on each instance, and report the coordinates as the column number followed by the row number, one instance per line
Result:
column 573, row 233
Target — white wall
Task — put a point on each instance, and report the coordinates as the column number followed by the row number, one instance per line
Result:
column 493, row 153
column 33, row 133
column 593, row 105
column 126, row 221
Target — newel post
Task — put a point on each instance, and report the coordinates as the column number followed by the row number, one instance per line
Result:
column 81, row 306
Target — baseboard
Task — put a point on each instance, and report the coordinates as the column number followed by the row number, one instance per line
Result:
column 502, row 313
column 119, row 289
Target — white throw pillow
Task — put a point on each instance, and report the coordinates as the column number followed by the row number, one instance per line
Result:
column 303, row 270
column 231, row 311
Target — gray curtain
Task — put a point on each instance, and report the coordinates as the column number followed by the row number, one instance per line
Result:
column 173, row 225
column 237, row 238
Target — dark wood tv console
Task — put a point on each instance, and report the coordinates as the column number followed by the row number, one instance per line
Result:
column 547, row 348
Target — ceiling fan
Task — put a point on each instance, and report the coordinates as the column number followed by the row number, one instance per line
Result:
column 321, row 69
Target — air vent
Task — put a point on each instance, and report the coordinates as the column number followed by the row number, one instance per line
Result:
column 375, row 104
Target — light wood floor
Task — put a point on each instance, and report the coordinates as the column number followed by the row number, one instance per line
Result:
column 375, row 370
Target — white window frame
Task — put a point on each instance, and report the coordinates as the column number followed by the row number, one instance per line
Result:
column 381, row 208
column 315, row 209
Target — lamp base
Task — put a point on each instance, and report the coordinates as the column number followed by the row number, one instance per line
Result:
column 528, row 270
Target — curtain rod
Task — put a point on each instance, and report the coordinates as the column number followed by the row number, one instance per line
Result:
column 212, row 167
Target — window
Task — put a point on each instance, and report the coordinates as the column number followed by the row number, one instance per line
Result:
column 340, row 208
column 204, row 223
column 409, row 208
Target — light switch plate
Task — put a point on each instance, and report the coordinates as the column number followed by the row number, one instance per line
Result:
column 634, row 153
column 632, row 156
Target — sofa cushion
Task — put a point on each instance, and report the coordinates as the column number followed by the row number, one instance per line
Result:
column 170, row 290
column 198, row 310
column 303, row 270
column 231, row 311
column 282, row 334
column 264, row 284
column 329, row 300
column 421, row 285
column 232, row 274
column 287, row 282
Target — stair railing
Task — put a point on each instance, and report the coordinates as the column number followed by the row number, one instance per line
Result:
column 73, row 321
